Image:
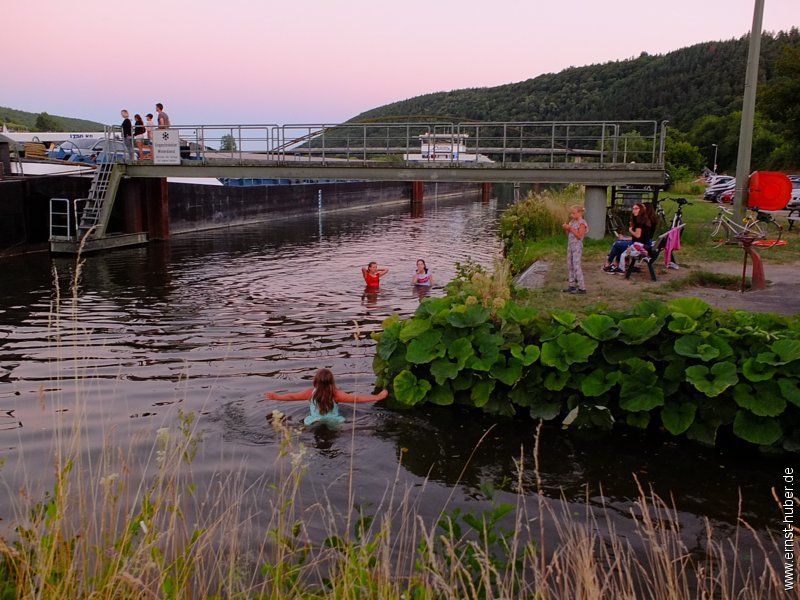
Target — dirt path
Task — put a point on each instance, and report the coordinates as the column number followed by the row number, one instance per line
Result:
column 781, row 296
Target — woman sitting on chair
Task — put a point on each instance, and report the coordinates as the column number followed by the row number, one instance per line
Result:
column 641, row 229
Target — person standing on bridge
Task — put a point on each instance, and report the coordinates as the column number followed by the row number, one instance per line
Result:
column 127, row 134
column 163, row 118
column 576, row 230
column 139, row 133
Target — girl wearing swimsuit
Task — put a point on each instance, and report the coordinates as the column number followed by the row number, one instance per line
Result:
column 323, row 399
column 372, row 274
column 422, row 276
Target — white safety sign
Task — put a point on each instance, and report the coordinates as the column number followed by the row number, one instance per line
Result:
column 166, row 147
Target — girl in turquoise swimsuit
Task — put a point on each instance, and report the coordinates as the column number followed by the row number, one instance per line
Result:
column 323, row 399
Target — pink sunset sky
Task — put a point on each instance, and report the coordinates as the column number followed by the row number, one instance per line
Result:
column 325, row 61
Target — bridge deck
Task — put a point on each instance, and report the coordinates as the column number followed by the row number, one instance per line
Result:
column 580, row 173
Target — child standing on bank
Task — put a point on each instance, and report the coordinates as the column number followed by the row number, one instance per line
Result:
column 575, row 230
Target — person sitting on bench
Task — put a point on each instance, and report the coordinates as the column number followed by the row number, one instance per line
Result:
column 641, row 229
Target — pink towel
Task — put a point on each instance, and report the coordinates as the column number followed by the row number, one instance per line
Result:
column 673, row 243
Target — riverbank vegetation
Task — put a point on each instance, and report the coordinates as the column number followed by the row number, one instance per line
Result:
column 676, row 365
column 116, row 526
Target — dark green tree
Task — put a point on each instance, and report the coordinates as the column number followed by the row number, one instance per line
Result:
column 227, row 143
column 45, row 122
column 684, row 160
column 779, row 99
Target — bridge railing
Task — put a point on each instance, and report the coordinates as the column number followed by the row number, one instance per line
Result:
column 543, row 142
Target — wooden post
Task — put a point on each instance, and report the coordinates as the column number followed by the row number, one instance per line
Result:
column 417, row 191
column 158, row 209
column 486, row 192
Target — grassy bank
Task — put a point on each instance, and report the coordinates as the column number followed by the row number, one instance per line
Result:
column 109, row 530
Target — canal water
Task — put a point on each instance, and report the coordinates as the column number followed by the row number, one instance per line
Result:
column 209, row 322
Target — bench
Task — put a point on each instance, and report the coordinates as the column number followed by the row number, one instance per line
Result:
column 794, row 215
column 649, row 258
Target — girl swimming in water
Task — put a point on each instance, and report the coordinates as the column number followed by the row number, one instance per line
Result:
column 372, row 274
column 422, row 276
column 324, row 397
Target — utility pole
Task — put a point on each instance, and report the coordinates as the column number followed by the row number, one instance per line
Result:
column 748, row 114
column 715, row 157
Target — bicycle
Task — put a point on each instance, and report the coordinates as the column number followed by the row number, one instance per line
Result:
column 758, row 225
column 616, row 217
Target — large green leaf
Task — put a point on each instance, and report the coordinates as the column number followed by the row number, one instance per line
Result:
column 460, row 350
column 600, row 327
column 693, row 308
column 712, row 382
column 414, row 327
column 567, row 350
column 425, row 347
column 680, row 323
column 481, row 392
column 695, row 346
column 441, row 395
column 388, row 340
column 433, row 306
column 527, row 355
column 789, row 390
column 705, row 433
column 564, row 317
column 547, row 411
column 515, row 313
column 468, row 315
column 764, row 431
column 638, row 330
column 408, row 389
column 442, row 370
column 639, row 390
column 788, row 350
column 650, row 308
column 640, row 420
column 555, row 381
column 678, row 416
column 598, row 382
column 763, row 400
column 508, row 372
column 757, row 371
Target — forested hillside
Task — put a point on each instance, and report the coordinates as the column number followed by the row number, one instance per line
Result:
column 681, row 86
column 21, row 120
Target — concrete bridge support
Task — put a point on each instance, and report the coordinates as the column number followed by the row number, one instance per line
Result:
column 596, row 210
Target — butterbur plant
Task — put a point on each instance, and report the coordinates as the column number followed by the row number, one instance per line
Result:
column 678, row 365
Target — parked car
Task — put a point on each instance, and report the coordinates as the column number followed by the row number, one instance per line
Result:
column 715, row 179
column 88, row 150
column 794, row 199
column 727, row 196
column 713, row 192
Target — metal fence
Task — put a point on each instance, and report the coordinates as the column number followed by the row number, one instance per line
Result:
column 548, row 142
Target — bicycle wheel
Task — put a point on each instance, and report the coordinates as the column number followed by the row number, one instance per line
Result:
column 768, row 232
column 714, row 233
column 613, row 223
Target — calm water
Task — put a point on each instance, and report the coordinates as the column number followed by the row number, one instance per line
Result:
column 209, row 322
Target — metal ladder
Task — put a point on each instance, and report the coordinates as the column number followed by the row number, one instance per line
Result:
column 93, row 206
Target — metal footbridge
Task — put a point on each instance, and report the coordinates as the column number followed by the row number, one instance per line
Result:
column 596, row 154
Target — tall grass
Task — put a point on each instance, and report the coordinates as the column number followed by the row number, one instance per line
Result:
column 111, row 532
column 120, row 524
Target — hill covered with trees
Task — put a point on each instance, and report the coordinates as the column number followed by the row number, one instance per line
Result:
column 28, row 121
column 698, row 89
